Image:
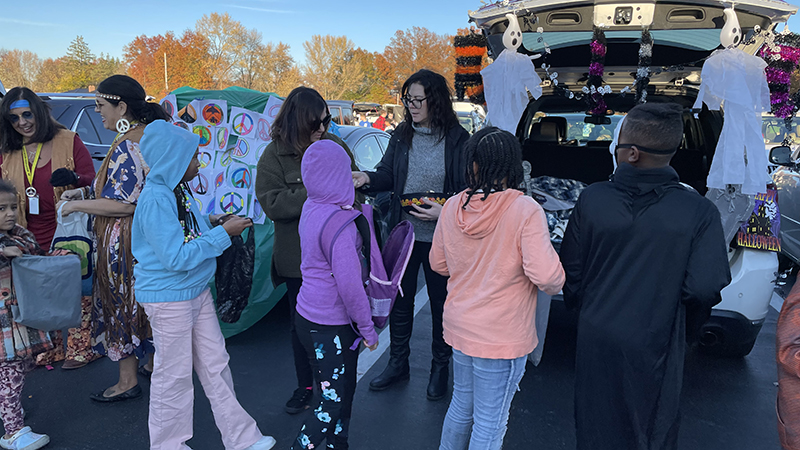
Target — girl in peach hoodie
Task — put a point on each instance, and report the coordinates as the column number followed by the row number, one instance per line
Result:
column 493, row 243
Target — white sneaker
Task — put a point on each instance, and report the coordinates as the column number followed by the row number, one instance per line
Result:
column 25, row 439
column 265, row 443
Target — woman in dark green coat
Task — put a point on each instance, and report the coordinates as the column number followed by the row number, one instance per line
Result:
column 302, row 120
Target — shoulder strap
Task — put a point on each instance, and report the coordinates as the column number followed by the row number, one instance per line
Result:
column 332, row 228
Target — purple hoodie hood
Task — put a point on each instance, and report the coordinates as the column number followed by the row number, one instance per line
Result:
column 327, row 174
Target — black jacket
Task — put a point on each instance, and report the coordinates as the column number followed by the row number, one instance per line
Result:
column 392, row 172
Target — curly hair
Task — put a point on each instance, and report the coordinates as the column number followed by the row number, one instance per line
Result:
column 440, row 106
column 498, row 157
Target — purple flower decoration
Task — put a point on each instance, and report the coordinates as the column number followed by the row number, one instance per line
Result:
column 778, row 76
column 596, row 69
column 598, row 48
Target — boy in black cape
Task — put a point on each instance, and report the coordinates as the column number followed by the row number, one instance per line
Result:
column 644, row 256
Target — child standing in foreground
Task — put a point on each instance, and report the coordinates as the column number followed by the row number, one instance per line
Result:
column 493, row 243
column 176, row 250
column 20, row 343
column 332, row 306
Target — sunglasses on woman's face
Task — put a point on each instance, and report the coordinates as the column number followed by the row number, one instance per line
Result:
column 324, row 122
column 27, row 115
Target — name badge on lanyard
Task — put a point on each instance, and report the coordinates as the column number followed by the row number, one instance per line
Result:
column 33, row 200
column 30, row 169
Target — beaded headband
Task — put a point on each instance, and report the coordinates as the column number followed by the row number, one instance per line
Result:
column 108, row 96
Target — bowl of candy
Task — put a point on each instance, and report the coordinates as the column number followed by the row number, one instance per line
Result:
column 415, row 198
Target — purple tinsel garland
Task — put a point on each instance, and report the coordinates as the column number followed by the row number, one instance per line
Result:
column 778, row 76
column 598, row 48
column 596, row 69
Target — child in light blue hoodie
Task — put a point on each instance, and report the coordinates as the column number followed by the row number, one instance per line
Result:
column 176, row 249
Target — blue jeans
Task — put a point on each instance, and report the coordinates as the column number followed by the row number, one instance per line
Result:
column 482, row 394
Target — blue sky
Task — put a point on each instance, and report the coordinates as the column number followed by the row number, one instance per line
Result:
column 47, row 26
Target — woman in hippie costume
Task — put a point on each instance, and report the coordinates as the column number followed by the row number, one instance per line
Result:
column 121, row 330
column 42, row 159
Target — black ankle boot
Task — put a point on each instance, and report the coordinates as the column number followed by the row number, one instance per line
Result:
column 437, row 386
column 391, row 375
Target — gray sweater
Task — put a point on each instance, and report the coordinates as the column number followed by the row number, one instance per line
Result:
column 425, row 173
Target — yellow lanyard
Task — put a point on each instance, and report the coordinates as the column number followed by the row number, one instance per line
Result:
column 30, row 169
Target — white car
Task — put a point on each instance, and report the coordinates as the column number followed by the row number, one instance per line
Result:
column 684, row 33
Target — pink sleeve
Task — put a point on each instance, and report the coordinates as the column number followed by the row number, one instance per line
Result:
column 539, row 260
column 84, row 166
column 436, row 256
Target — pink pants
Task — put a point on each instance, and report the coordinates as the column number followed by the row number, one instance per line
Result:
column 186, row 335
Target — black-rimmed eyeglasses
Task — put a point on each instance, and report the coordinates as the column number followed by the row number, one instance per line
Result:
column 415, row 102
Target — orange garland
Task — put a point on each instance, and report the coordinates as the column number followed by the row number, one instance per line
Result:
column 470, row 51
column 468, row 69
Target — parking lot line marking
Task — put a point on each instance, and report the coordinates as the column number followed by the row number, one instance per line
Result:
column 366, row 359
column 776, row 301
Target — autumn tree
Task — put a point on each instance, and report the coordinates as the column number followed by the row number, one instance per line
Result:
column 376, row 83
column 278, row 72
column 332, row 66
column 53, row 75
column 187, row 62
column 19, row 68
column 226, row 40
column 419, row 48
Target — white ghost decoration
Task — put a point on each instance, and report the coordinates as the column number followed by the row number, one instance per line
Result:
column 731, row 33
column 512, row 38
column 508, row 79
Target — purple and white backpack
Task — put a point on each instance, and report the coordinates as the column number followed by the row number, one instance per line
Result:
column 381, row 270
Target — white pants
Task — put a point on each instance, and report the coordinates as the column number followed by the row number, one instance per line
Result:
column 186, row 336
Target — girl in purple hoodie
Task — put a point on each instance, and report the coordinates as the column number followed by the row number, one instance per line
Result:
column 332, row 307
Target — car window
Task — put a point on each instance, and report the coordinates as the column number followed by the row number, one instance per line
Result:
column 336, row 115
column 579, row 131
column 384, row 141
column 106, row 136
column 348, row 116
column 86, row 129
column 58, row 110
column 367, row 153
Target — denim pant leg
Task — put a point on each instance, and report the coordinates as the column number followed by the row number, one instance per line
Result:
column 495, row 383
column 458, row 421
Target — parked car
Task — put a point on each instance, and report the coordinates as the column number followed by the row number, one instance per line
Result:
column 557, row 144
column 341, row 111
column 76, row 112
column 470, row 116
column 367, row 144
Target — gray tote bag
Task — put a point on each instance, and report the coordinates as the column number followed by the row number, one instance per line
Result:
column 48, row 290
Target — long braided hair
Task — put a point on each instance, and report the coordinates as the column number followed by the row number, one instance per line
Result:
column 183, row 195
column 498, row 156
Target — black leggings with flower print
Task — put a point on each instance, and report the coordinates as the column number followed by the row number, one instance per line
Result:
column 335, row 368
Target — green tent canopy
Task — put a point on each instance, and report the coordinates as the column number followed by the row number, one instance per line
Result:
column 263, row 295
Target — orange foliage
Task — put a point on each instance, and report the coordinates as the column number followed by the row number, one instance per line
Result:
column 187, row 62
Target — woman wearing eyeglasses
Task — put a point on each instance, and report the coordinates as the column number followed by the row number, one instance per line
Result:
column 42, row 159
column 302, row 120
column 425, row 154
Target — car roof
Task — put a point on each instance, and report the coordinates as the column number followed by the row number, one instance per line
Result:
column 352, row 132
column 340, row 102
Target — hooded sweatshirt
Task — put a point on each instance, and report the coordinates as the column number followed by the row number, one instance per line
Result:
column 169, row 269
column 331, row 293
column 497, row 253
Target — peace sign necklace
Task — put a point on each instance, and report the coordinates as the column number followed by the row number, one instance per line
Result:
column 30, row 171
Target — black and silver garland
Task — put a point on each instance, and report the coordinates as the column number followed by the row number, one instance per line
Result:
column 643, row 71
column 594, row 85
